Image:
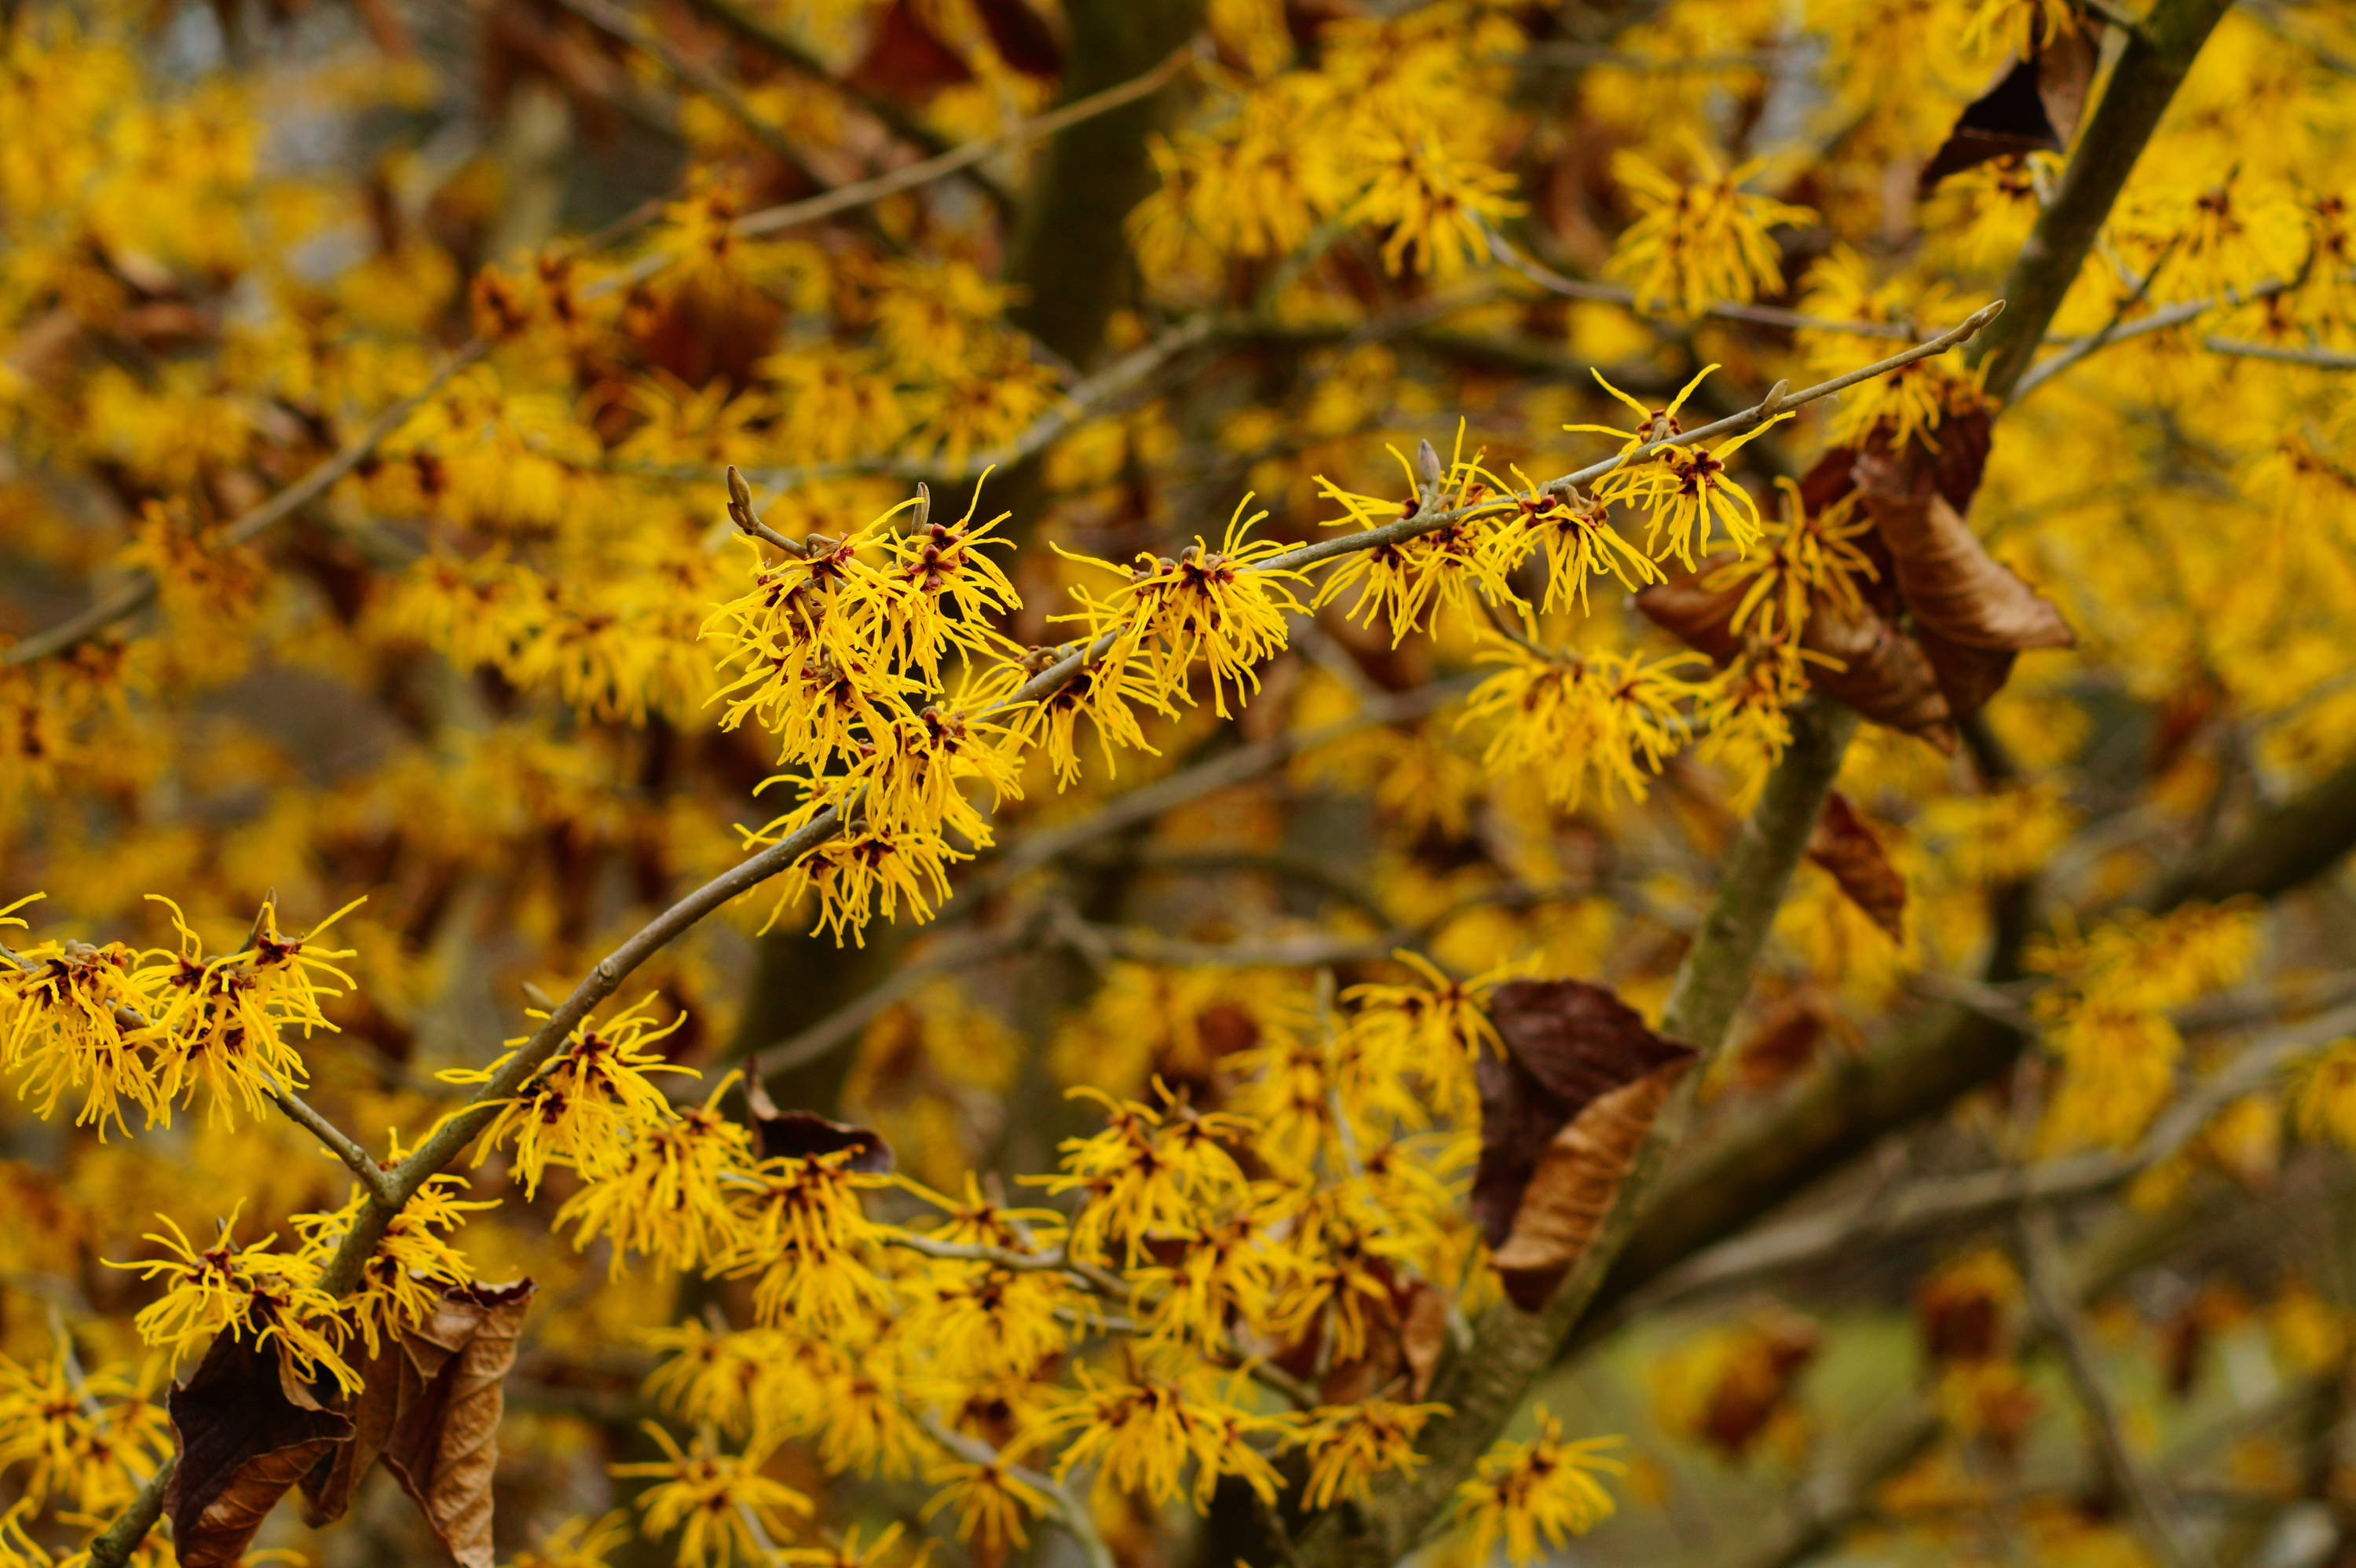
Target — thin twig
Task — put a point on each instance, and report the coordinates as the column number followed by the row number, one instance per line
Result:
column 1083, row 401
column 1028, row 853
column 1072, row 1512
column 456, row 1131
column 129, row 598
column 2281, row 353
column 79, row 627
column 361, row 1164
column 625, row 28
column 2165, row 318
column 865, row 193
column 2051, row 1299
column 1960, row 1200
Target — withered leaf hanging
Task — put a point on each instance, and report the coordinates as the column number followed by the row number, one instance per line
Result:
column 246, row 1430
column 1934, row 632
column 1022, row 38
column 429, row 1409
column 806, row 1135
column 1844, row 846
column 2033, row 107
column 1563, row 1111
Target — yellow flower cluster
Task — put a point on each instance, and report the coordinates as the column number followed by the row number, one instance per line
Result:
column 2105, row 1014
column 1389, row 132
column 134, row 1029
column 969, row 1347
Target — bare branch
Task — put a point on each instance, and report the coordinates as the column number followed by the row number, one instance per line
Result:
column 80, row 627
column 133, row 595
column 1961, row 1199
column 2057, row 1312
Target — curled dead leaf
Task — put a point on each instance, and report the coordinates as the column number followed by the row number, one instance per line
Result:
column 1948, row 580
column 429, row 1409
column 2032, row 107
column 804, row 1135
column 1699, row 617
column 1564, row 1109
column 1878, row 671
column 905, row 59
column 247, row 1432
column 1022, row 38
column 1844, row 845
column 1783, row 1041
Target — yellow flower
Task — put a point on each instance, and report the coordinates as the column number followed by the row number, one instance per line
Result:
column 858, row 874
column 949, row 592
column 991, row 1502
column 1106, row 692
column 70, row 1013
column 1807, row 557
column 93, row 1438
column 1580, row 541
column 405, row 1275
column 665, row 1197
column 1694, row 244
column 2105, row 1014
column 579, row 1543
column 721, row 1503
column 1148, row 1169
column 1435, row 202
column 586, row 1107
column 797, row 1224
column 1566, row 718
column 2021, row 28
column 1538, row 1493
column 1351, row 1447
column 217, row 1020
column 2323, row 1094
column 846, row 1552
column 244, row 1292
column 1225, row 607
column 1142, row 1433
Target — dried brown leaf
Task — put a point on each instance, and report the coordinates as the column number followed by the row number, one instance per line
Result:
column 1564, row 1109
column 1022, row 38
column 1697, row 616
column 1842, row 845
column 804, row 1135
column 905, row 59
column 1967, row 677
column 1948, row 580
column 1423, row 1335
column 1783, row 1041
column 2065, row 70
column 244, row 1438
column 2007, row 120
column 1881, row 673
column 446, row 1448
column 429, row 1409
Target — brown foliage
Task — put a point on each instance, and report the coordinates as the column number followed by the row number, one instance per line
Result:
column 1564, row 1109
column 1936, row 633
column 2032, row 107
column 430, row 1410
column 1846, row 848
column 247, row 1429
